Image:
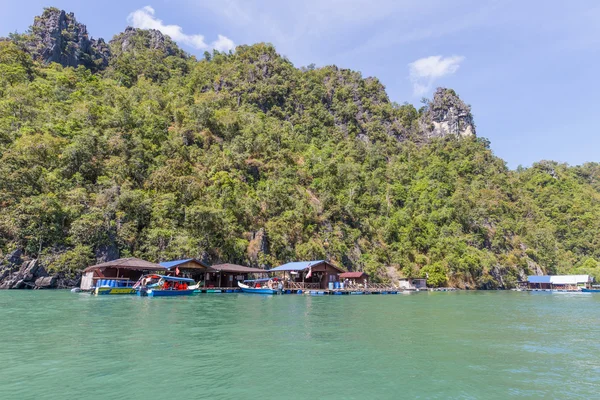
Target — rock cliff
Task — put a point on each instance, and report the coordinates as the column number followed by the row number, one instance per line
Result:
column 19, row 272
column 56, row 36
column 16, row 274
column 446, row 115
column 134, row 39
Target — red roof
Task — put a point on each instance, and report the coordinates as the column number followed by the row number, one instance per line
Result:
column 353, row 275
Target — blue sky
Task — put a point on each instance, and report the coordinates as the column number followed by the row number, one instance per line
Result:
column 528, row 68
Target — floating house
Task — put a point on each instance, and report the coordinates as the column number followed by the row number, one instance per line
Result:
column 309, row 274
column 412, row 283
column 355, row 278
column 189, row 268
column 228, row 275
column 559, row 282
column 118, row 273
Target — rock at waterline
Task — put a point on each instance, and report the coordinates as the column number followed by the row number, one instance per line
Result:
column 30, row 275
column 46, row 282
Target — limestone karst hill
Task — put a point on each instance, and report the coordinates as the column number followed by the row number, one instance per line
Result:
column 136, row 148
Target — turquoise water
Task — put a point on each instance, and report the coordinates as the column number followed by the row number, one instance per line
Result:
column 476, row 345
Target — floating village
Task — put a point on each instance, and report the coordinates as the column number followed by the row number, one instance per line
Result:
column 133, row 276
column 189, row 276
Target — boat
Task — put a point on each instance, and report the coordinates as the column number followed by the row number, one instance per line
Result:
column 164, row 286
column 106, row 290
column 113, row 287
column 592, row 289
column 260, row 286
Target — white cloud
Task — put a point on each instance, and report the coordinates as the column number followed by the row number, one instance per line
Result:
column 144, row 18
column 223, row 43
column 425, row 71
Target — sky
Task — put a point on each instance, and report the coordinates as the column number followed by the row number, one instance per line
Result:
column 529, row 69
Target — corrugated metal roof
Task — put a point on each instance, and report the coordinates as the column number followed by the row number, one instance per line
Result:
column 127, row 263
column 238, row 269
column 296, row 266
column 569, row 279
column 559, row 279
column 174, row 263
column 538, row 279
column 355, row 274
column 303, row 265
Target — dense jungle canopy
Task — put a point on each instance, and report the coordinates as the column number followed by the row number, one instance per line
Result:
column 135, row 148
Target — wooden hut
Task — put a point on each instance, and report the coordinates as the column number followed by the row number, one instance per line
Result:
column 354, row 278
column 228, row 275
column 122, row 270
column 188, row 268
column 308, row 274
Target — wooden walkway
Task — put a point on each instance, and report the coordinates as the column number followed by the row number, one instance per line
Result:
column 338, row 292
column 218, row 290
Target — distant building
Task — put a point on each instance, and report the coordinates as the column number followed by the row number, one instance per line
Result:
column 228, row 275
column 220, row 275
column 118, row 273
column 309, row 274
column 565, row 282
column 354, row 278
column 189, row 268
column 413, row 283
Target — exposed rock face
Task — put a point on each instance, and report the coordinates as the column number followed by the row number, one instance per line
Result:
column 447, row 115
column 258, row 246
column 135, row 39
column 58, row 37
column 23, row 277
column 15, row 257
column 17, row 274
column 107, row 251
column 47, row 282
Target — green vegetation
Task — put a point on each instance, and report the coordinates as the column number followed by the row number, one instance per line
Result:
column 244, row 158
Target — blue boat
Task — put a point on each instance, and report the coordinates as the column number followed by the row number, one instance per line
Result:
column 593, row 290
column 258, row 288
column 164, row 286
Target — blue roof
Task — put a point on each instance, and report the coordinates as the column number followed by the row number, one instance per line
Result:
column 296, row 266
column 538, row 279
column 173, row 264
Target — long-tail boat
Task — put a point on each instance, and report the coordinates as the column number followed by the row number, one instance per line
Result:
column 261, row 286
column 162, row 286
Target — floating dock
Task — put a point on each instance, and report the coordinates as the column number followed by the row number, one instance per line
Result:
column 218, row 290
column 311, row 292
column 317, row 292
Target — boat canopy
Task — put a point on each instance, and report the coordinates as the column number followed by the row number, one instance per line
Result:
column 173, row 278
column 261, row 280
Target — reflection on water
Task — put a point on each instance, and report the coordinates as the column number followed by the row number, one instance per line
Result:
column 59, row 345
